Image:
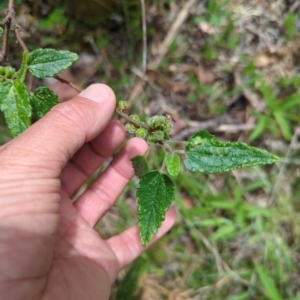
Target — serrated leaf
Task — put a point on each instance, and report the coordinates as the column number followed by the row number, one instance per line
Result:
column 208, row 155
column 140, row 165
column 15, row 106
column 44, row 63
column 173, row 164
column 42, row 100
column 155, row 193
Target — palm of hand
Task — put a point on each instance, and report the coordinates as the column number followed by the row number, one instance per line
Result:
column 78, row 262
column 48, row 246
column 58, row 253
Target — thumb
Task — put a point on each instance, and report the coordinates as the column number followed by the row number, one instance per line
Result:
column 57, row 136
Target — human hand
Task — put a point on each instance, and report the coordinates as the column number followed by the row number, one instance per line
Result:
column 48, row 246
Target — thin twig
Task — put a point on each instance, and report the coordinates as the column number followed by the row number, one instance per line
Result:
column 6, row 22
column 163, row 165
column 144, row 24
column 220, row 260
column 134, row 122
column 173, row 32
column 57, row 77
column 164, row 46
column 209, row 124
column 20, row 41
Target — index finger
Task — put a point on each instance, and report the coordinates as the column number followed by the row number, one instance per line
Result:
column 54, row 139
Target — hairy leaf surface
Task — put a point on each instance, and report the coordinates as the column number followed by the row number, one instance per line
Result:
column 44, row 63
column 208, row 155
column 42, row 100
column 155, row 193
column 173, row 164
column 140, row 165
column 15, row 106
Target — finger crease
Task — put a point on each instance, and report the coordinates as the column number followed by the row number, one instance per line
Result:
column 120, row 173
column 78, row 168
column 102, row 194
column 104, row 157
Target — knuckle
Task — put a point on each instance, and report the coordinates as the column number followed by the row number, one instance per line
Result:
column 73, row 113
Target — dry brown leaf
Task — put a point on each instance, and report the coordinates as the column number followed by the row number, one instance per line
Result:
column 165, row 82
column 188, row 203
column 151, row 290
column 264, row 60
column 204, row 75
column 207, row 28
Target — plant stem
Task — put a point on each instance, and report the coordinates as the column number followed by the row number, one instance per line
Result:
column 144, row 64
column 177, row 142
column 167, row 146
column 163, row 164
column 6, row 22
column 180, row 152
column 57, row 77
column 134, row 122
column 19, row 39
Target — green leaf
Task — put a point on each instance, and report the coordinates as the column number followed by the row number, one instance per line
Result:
column 268, row 283
column 173, row 164
column 155, row 193
column 208, row 155
column 290, row 102
column 42, row 100
column 15, row 106
column 129, row 283
column 268, row 96
column 260, row 126
column 283, row 124
column 44, row 63
column 140, row 165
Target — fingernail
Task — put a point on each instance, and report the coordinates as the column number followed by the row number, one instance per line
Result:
column 97, row 92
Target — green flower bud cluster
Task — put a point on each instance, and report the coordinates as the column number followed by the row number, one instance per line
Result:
column 160, row 127
column 6, row 73
column 122, row 105
column 133, row 129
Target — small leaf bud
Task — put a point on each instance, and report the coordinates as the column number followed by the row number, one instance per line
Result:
column 157, row 122
column 2, row 70
column 135, row 118
column 150, row 139
column 158, row 135
column 141, row 132
column 122, row 105
column 9, row 72
column 168, row 127
column 130, row 128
